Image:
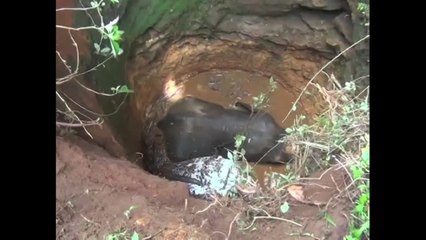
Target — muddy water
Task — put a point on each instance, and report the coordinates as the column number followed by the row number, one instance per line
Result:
column 226, row 87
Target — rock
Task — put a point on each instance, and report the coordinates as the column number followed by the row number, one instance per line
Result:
column 279, row 7
column 303, row 30
column 343, row 23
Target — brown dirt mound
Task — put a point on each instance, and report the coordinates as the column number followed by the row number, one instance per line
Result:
column 94, row 189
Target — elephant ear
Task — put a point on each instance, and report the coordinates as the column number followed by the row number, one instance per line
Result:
column 241, row 106
column 247, row 108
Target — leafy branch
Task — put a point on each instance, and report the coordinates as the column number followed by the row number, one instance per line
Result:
column 108, row 46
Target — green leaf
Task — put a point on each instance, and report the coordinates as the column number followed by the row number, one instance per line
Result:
column 365, row 155
column 120, row 51
column 289, row 130
column 284, row 207
column 116, row 48
column 362, row 7
column 272, row 83
column 356, row 172
column 97, row 47
column 350, row 238
column 365, row 226
column 293, row 108
column 359, row 208
column 357, row 233
column 114, row 1
column 363, row 199
column 230, row 156
column 302, row 128
column 362, row 187
column 364, row 106
column 109, row 27
column 135, row 236
column 106, row 50
column 124, row 89
column 239, row 139
column 350, row 86
column 116, row 36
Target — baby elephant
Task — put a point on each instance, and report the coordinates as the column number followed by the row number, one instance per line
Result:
column 195, row 128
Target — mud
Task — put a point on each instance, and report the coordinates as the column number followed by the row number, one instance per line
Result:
column 94, row 190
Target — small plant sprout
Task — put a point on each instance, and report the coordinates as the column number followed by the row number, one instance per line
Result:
column 262, row 100
column 121, row 89
column 135, row 236
column 284, row 207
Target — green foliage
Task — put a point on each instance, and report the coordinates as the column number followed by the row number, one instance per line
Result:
column 117, row 235
column 340, row 133
column 330, row 132
column 360, row 221
column 261, row 101
column 121, row 89
column 239, row 139
column 114, row 35
column 110, row 32
column 122, row 235
column 279, row 180
column 364, row 9
column 236, row 154
column 300, row 129
column 273, row 84
column 135, row 236
column 108, row 46
column 284, row 207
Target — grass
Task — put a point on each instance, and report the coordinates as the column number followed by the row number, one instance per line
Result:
column 360, row 220
column 338, row 137
column 124, row 234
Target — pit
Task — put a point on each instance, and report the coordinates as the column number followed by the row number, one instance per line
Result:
column 219, row 51
column 222, row 72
